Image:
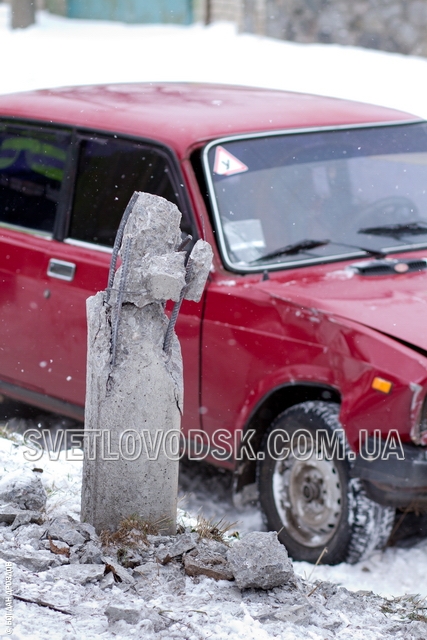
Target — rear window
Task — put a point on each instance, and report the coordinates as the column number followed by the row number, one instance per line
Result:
column 32, row 168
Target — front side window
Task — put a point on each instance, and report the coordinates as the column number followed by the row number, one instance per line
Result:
column 108, row 173
column 282, row 199
column 32, row 169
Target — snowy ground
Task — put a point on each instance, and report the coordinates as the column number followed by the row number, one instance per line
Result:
column 185, row 608
column 59, row 52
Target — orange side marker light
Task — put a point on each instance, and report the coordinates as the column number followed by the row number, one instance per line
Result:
column 379, row 384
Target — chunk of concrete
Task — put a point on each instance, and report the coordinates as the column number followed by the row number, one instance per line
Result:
column 9, row 513
column 207, row 563
column 66, row 530
column 22, row 519
column 87, row 531
column 77, row 573
column 156, row 541
column 24, row 489
column 31, row 560
column 92, row 554
column 201, row 261
column 183, row 543
column 107, row 581
column 162, row 282
column 148, row 570
column 59, row 548
column 170, row 578
column 120, row 573
column 75, row 553
column 131, row 615
column 153, row 228
column 30, row 534
column 213, row 546
column 260, row 561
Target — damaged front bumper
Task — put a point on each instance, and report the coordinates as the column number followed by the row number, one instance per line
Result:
column 394, row 478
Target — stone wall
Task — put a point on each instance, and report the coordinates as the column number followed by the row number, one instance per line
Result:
column 390, row 25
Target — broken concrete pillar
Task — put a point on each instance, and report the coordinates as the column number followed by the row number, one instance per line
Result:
column 134, row 394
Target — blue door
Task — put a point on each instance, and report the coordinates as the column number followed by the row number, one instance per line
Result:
column 151, row 11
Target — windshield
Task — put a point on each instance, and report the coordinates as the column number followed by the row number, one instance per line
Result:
column 282, row 199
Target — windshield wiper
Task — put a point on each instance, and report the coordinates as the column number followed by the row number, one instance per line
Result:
column 293, row 249
column 396, row 230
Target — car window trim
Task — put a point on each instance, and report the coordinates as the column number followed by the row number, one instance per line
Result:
column 171, row 161
column 65, row 207
column 88, row 245
column 45, row 235
column 217, row 224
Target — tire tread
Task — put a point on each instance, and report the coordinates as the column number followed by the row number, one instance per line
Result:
column 368, row 524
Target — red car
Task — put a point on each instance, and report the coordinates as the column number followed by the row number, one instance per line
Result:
column 313, row 317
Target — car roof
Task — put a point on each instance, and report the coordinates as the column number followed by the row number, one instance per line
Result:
column 184, row 114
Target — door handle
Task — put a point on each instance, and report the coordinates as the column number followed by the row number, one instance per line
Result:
column 61, row 269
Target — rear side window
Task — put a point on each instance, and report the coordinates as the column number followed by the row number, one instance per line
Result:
column 109, row 171
column 32, row 167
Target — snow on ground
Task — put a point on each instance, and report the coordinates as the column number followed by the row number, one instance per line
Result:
column 208, row 490
column 58, row 52
column 177, row 606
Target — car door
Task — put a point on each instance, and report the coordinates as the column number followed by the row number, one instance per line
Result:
column 108, row 170
column 32, row 179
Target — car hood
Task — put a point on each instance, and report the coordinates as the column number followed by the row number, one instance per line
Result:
column 395, row 305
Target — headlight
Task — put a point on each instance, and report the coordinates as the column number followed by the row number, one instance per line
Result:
column 419, row 431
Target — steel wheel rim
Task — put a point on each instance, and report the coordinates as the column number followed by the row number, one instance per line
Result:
column 308, row 498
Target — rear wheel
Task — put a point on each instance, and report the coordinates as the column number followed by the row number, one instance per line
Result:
column 307, row 495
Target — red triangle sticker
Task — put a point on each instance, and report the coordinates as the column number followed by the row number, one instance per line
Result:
column 226, row 164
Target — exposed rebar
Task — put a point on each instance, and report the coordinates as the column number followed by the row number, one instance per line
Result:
column 167, row 344
column 184, row 243
column 117, row 244
column 120, row 292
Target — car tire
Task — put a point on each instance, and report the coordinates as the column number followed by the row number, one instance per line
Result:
column 306, row 493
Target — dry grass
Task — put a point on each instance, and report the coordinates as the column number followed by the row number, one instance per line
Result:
column 408, row 607
column 132, row 532
column 9, row 435
column 218, row 530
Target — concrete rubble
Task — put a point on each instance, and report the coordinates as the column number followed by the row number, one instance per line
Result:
column 23, row 490
column 260, row 561
column 81, row 574
column 131, row 615
column 184, row 543
column 160, row 601
column 66, row 530
column 31, row 560
column 61, row 548
column 205, row 562
column 10, row 514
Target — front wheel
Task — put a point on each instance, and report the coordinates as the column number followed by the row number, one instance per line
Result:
column 307, row 495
